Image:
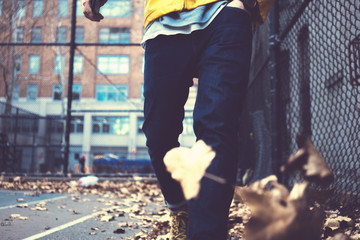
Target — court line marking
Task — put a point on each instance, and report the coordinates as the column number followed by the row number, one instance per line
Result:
column 34, row 202
column 66, row 225
column 61, row 227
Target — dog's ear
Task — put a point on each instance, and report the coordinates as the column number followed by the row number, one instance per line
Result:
column 278, row 214
column 310, row 162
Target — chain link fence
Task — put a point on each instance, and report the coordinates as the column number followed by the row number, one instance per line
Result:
column 318, row 89
column 305, row 78
column 26, row 138
column 71, row 88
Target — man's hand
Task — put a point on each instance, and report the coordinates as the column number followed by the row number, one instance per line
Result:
column 91, row 9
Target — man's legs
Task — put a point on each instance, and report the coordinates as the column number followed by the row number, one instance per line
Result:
column 168, row 77
column 224, row 60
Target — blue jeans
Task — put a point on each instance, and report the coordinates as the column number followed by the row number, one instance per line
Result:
column 219, row 56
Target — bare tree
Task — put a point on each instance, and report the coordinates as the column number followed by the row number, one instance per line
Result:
column 14, row 13
column 8, row 64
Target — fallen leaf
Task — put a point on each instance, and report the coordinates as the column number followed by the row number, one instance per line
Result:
column 123, row 224
column 332, row 223
column 75, row 212
column 341, row 236
column 25, row 205
column 119, row 231
column 15, row 215
column 188, row 166
column 39, row 208
column 101, row 213
column 107, row 218
column 17, row 179
column 18, row 216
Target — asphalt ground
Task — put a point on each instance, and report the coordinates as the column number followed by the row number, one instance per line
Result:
column 72, row 216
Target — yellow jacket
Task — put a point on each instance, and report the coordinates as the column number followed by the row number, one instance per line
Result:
column 158, row 8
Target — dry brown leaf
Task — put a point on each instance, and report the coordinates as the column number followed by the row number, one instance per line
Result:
column 277, row 214
column 101, row 213
column 341, row 236
column 75, row 212
column 17, row 179
column 25, row 205
column 309, row 160
column 119, row 231
column 18, row 216
column 188, row 166
column 15, row 215
column 332, row 223
column 39, row 208
column 107, row 218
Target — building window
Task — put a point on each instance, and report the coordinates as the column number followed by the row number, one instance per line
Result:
column 59, row 64
column 79, row 12
column 36, row 35
column 111, row 125
column 38, row 8
column 63, row 8
column 111, row 64
column 57, row 92
column 188, row 126
column 61, row 34
column 112, row 93
column 76, row 92
column 31, row 93
column 21, row 9
column 140, row 123
column 117, row 8
column 114, row 35
column 18, row 63
column 34, row 64
column 16, row 92
column 19, row 35
column 54, row 125
column 77, row 124
column 79, row 35
column 24, row 124
column 78, row 64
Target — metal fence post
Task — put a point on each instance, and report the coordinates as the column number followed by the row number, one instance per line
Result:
column 70, row 85
column 274, row 49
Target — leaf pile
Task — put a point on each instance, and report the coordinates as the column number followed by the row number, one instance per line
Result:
column 154, row 224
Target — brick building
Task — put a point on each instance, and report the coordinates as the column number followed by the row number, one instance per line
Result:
column 107, row 83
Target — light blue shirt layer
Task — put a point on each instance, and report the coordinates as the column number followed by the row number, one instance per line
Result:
column 184, row 22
